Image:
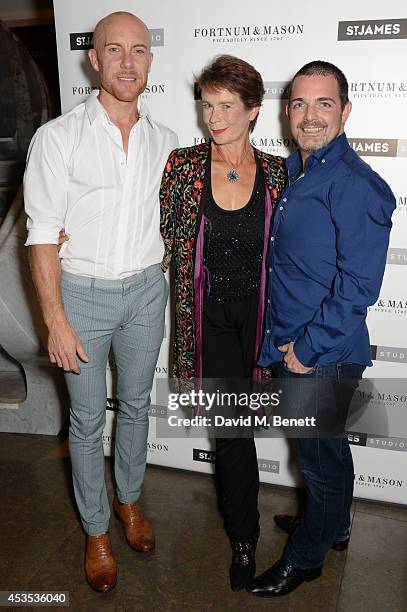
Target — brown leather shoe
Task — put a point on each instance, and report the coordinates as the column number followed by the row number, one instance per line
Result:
column 139, row 533
column 100, row 566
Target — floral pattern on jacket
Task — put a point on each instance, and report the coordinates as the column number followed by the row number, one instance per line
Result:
column 180, row 199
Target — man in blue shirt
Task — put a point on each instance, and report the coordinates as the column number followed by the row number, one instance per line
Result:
column 326, row 261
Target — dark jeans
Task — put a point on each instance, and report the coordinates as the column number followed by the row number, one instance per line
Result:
column 228, row 338
column 325, row 462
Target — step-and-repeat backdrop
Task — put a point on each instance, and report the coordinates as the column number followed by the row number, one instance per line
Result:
column 368, row 41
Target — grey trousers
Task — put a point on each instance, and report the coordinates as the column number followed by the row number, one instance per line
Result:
column 127, row 315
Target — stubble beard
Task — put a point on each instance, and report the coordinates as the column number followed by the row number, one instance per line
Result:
column 118, row 90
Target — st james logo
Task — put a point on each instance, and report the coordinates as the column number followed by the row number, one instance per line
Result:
column 373, row 29
column 357, row 438
column 207, row 456
column 379, row 147
column 83, row 40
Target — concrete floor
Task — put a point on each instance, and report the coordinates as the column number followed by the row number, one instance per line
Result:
column 41, row 543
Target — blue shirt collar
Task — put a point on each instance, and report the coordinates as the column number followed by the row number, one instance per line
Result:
column 334, row 150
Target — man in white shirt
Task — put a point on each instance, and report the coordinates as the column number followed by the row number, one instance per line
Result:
column 96, row 172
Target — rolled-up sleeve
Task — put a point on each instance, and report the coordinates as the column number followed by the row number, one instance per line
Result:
column 45, row 186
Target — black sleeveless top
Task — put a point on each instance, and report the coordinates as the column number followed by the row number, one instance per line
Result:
column 233, row 242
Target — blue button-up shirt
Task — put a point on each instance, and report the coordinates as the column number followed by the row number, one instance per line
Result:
column 326, row 258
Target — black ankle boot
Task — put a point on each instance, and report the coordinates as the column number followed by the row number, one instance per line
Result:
column 243, row 566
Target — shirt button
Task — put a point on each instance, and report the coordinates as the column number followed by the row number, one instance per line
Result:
column 268, row 301
column 281, row 207
column 272, row 239
column 322, row 161
column 284, row 199
column 270, row 269
column 268, row 331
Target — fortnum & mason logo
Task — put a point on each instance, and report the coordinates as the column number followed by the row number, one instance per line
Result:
column 378, row 482
column 378, row 89
column 376, row 29
column 390, row 398
column 279, row 145
column 401, row 204
column 80, row 41
column 151, row 89
column 157, row 447
column 395, row 306
column 249, row 33
column 163, row 370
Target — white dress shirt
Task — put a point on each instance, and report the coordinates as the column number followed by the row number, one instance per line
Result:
column 78, row 177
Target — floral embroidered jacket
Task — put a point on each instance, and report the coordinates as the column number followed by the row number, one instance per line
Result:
column 182, row 232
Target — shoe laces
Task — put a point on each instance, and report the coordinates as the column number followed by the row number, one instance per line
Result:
column 134, row 515
column 102, row 546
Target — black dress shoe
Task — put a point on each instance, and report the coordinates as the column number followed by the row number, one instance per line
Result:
column 281, row 579
column 243, row 566
column 289, row 524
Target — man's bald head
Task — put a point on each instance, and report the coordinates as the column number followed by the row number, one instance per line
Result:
column 122, row 57
column 99, row 35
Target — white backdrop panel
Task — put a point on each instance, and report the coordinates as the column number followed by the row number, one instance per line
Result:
column 278, row 38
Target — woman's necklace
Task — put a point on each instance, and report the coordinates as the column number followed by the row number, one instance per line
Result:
column 232, row 175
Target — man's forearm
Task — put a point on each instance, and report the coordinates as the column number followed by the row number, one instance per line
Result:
column 46, row 274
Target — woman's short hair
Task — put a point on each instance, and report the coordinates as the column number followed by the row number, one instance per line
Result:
column 235, row 75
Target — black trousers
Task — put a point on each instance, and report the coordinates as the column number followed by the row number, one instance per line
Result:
column 228, row 341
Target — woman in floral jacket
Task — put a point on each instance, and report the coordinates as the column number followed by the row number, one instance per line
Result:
column 217, row 200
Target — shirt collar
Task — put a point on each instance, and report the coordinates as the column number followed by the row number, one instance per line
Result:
column 95, row 108
column 334, row 150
